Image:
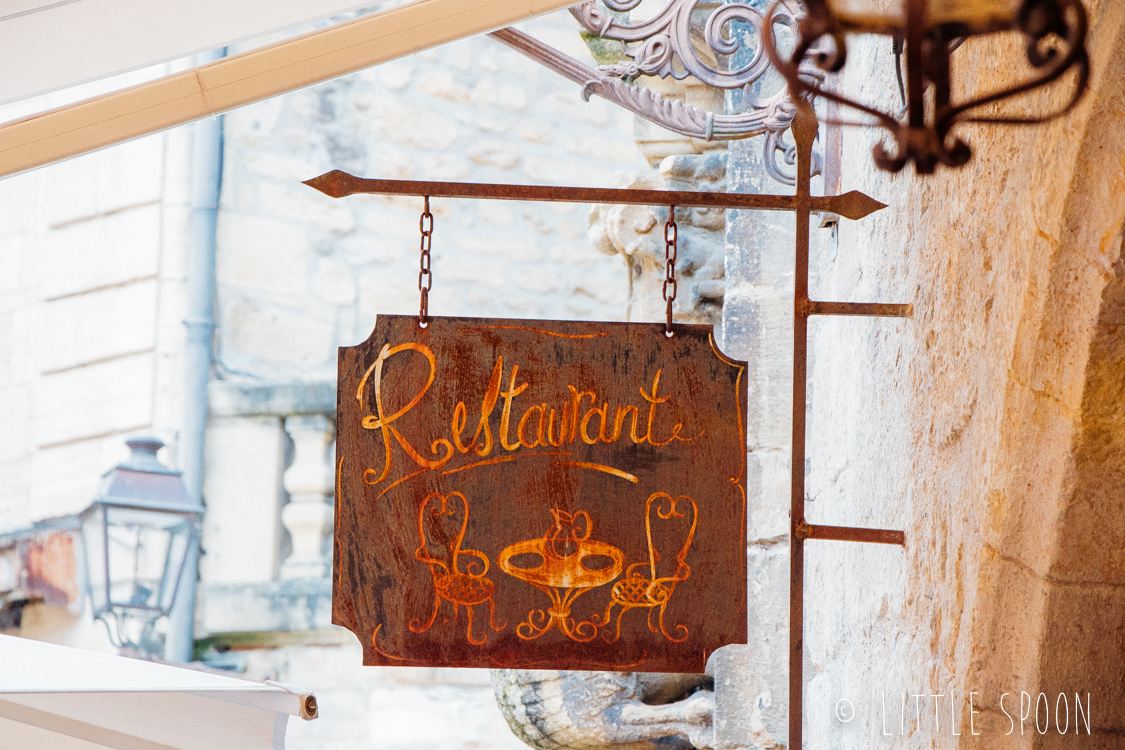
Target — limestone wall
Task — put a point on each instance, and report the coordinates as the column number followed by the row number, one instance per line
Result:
column 987, row 427
column 301, row 274
column 92, row 299
column 90, row 333
column 981, row 427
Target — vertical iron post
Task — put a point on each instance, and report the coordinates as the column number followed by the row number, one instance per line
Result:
column 804, row 133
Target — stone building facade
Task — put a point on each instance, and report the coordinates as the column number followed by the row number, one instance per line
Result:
column 93, row 299
column 986, row 426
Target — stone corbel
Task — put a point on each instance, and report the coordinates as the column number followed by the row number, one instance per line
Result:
column 553, row 710
column 636, row 233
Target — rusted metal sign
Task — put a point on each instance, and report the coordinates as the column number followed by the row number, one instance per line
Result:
column 540, row 494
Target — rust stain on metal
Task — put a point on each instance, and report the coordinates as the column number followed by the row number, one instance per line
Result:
column 540, row 494
column 336, row 184
column 378, row 580
column 849, row 534
column 868, row 309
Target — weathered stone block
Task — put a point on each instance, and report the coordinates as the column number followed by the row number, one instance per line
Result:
column 496, row 214
column 265, row 607
column 561, row 171
column 63, row 479
column 129, row 174
column 111, row 396
column 334, row 282
column 390, row 290
column 757, row 327
column 516, row 247
column 277, row 336
column 477, row 271
column 600, row 148
column 512, row 97
column 242, row 488
column 128, row 243
column 8, row 344
column 767, row 495
column 306, row 205
column 1082, row 649
column 96, row 326
column 425, row 131
column 1043, row 424
column 395, row 75
column 254, row 124
column 443, row 85
column 15, row 405
column 751, row 681
column 493, row 154
column 15, row 511
column 535, row 131
column 11, row 259
column 233, row 398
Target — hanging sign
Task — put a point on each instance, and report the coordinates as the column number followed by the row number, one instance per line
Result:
column 540, row 494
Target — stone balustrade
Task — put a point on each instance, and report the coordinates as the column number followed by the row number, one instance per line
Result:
column 269, row 489
column 309, row 481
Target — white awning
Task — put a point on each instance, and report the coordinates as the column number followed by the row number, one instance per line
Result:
column 58, row 698
column 249, row 77
column 49, row 44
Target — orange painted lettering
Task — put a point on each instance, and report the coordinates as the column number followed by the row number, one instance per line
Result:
column 539, row 439
column 506, row 415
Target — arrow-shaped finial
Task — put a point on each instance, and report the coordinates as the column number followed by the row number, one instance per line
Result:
column 854, row 205
column 335, row 184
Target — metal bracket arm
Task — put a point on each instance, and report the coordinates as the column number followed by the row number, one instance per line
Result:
column 805, row 530
column 852, row 205
column 864, row 309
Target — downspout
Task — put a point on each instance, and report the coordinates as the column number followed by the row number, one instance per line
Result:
column 206, row 183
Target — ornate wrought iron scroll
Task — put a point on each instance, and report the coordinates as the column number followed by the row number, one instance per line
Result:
column 1054, row 32
column 663, row 46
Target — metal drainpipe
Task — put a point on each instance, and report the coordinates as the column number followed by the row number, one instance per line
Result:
column 206, row 182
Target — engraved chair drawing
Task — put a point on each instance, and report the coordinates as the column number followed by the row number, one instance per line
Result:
column 652, row 592
column 459, row 586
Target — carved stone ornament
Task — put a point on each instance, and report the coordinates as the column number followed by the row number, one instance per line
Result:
column 540, row 494
column 555, row 710
column 636, row 233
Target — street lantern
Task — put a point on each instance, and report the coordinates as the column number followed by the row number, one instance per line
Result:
column 136, row 534
column 1054, row 32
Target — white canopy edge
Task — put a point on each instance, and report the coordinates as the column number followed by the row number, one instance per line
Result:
column 56, row 697
column 46, row 45
column 253, row 76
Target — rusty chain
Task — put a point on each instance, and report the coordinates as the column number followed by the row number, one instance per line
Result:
column 425, row 278
column 671, row 235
